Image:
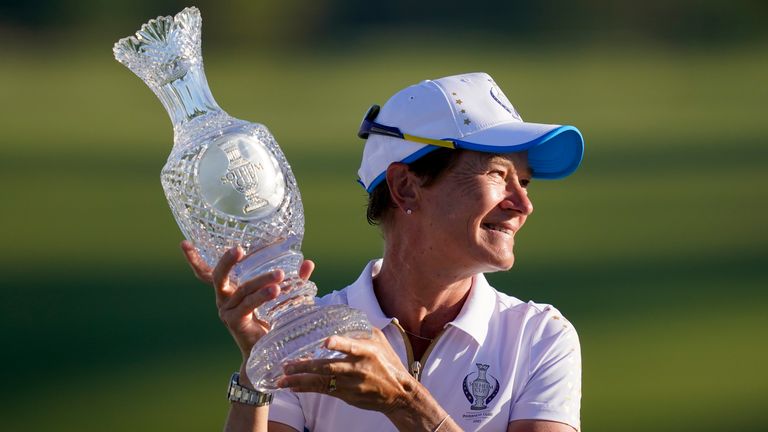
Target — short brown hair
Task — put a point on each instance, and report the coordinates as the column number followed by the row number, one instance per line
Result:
column 429, row 167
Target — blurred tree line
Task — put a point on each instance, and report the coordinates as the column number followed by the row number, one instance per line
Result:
column 312, row 23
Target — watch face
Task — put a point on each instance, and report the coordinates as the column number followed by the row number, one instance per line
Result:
column 234, row 392
column 233, row 380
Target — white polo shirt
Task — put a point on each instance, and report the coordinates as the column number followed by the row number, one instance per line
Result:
column 500, row 360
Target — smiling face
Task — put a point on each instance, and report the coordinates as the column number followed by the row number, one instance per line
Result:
column 473, row 211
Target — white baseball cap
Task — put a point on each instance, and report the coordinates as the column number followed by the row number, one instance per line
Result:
column 466, row 112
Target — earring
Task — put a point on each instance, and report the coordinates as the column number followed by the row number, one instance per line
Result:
column 408, row 211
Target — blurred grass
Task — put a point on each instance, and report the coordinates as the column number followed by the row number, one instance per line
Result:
column 655, row 249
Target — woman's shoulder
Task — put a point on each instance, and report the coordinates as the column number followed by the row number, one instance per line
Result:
column 541, row 320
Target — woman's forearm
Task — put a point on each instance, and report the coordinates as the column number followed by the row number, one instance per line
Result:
column 243, row 417
column 421, row 413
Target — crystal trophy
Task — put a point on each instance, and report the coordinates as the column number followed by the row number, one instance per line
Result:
column 228, row 183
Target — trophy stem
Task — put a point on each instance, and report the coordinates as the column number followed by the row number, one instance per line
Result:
column 187, row 97
column 294, row 292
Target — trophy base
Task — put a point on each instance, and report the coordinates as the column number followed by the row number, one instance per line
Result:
column 300, row 335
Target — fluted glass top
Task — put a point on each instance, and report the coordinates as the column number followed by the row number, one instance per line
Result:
column 164, row 49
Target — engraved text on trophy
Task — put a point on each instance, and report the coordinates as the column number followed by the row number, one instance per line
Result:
column 239, row 177
column 243, row 175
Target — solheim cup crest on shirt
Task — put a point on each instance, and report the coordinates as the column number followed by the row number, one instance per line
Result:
column 479, row 391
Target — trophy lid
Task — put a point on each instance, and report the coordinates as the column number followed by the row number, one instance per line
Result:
column 164, row 49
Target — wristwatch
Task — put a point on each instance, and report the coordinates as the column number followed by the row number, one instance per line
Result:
column 243, row 395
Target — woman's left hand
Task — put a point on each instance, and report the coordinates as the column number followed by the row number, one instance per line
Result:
column 370, row 377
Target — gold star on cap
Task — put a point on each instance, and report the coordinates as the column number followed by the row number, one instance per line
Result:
column 458, row 101
column 467, row 121
column 463, row 111
column 454, row 93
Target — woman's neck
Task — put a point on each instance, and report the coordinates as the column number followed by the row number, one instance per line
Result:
column 423, row 293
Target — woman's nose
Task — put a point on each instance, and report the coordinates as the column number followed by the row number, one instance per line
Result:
column 517, row 199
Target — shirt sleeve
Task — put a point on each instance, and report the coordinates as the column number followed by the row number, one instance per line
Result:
column 553, row 390
column 286, row 409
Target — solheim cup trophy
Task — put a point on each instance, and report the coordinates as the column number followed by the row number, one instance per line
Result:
column 228, row 183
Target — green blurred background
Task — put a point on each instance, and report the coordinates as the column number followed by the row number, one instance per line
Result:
column 655, row 248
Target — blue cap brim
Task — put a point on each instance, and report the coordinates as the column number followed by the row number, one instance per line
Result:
column 553, row 155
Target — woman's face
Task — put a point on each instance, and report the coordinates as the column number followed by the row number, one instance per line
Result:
column 473, row 211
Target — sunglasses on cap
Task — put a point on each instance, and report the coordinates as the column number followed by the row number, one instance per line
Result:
column 369, row 126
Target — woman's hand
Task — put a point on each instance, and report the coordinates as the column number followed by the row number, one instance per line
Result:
column 236, row 303
column 370, row 377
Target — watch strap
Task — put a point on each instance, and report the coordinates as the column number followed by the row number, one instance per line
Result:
column 244, row 395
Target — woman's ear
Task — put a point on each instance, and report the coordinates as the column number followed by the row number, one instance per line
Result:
column 404, row 186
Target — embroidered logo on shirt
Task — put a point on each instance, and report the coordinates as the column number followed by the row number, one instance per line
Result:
column 480, row 391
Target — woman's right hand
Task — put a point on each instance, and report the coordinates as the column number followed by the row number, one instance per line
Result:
column 236, row 303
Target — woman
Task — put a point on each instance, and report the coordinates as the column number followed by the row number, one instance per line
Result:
column 446, row 164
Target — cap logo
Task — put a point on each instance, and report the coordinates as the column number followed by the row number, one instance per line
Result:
column 502, row 100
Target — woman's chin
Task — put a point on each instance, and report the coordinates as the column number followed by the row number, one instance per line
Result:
column 498, row 264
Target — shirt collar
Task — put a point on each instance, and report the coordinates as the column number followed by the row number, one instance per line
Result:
column 473, row 318
column 476, row 313
column 360, row 295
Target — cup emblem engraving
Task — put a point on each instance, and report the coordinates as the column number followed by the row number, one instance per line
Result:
column 243, row 175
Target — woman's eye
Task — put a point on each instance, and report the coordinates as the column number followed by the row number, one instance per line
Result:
column 498, row 173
